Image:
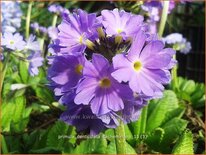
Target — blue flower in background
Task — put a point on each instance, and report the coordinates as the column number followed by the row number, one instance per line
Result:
column 10, row 16
column 178, row 42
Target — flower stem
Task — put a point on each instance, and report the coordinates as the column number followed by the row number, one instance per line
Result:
column 120, row 139
column 174, row 76
column 54, row 21
column 28, row 18
column 163, row 17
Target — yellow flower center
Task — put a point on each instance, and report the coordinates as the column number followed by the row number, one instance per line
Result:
column 119, row 30
column 11, row 42
column 105, row 83
column 137, row 65
column 81, row 39
column 78, row 69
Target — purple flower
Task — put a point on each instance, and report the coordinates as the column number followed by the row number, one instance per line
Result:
column 35, row 61
column 82, row 118
column 31, row 44
column 64, row 75
column 75, row 30
column 35, row 26
column 120, row 22
column 39, row 28
column 99, row 89
column 146, row 66
column 13, row 42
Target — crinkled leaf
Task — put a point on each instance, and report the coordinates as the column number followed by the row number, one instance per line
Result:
column 59, row 135
column 164, row 105
column 184, row 144
column 96, row 145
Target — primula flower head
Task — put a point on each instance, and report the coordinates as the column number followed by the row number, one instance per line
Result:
column 106, row 67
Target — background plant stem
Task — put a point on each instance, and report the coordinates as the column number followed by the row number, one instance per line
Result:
column 28, row 18
column 163, row 17
column 120, row 139
column 54, row 21
column 160, row 32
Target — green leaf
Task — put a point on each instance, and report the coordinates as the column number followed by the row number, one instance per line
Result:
column 59, row 135
column 128, row 134
column 44, row 94
column 8, row 109
column 154, row 138
column 167, row 103
column 3, row 145
column 111, row 148
column 173, row 129
column 176, row 113
column 184, row 144
column 21, row 115
column 23, row 71
column 188, row 87
column 96, row 145
column 138, row 127
column 20, row 103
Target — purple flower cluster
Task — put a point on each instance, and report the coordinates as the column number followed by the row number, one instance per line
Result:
column 105, row 68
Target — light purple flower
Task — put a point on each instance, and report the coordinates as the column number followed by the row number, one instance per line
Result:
column 10, row 16
column 64, row 75
column 120, row 22
column 146, row 66
column 31, row 44
column 53, row 32
column 75, row 30
column 35, row 61
column 99, row 89
column 13, row 41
